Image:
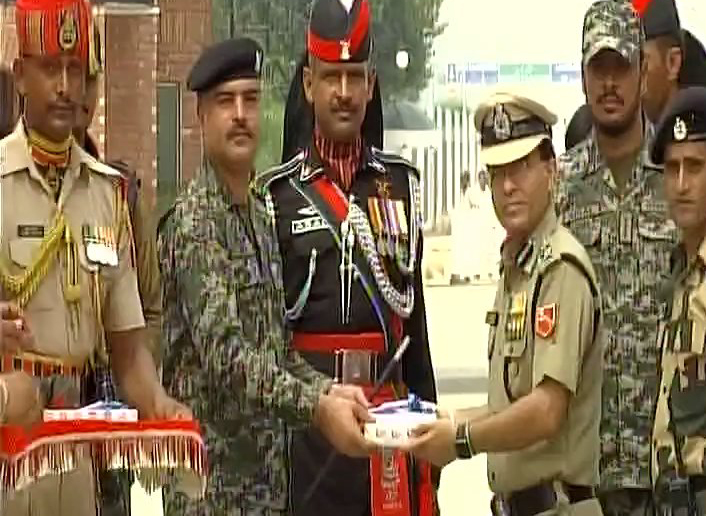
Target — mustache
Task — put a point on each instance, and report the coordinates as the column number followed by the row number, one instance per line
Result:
column 62, row 104
column 612, row 95
column 238, row 130
column 343, row 105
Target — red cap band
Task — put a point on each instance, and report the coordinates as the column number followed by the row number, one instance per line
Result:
column 342, row 50
column 640, row 6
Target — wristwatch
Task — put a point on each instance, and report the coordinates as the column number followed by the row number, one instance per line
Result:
column 463, row 445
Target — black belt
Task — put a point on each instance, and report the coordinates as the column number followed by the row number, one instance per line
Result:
column 676, row 496
column 541, row 498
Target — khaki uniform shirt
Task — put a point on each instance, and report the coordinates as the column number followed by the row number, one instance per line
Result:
column 681, row 404
column 148, row 276
column 523, row 352
column 90, row 198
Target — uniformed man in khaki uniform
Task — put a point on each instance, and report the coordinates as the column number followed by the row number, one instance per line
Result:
column 20, row 398
column 144, row 233
column 115, row 486
column 66, row 254
column 679, row 436
column 540, row 427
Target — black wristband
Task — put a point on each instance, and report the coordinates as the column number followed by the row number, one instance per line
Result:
column 463, row 450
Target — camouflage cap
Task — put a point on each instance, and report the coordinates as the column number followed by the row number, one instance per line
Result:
column 612, row 25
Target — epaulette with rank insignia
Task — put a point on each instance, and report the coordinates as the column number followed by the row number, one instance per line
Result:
column 261, row 183
column 393, row 159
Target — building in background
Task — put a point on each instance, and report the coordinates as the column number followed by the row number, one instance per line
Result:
column 144, row 115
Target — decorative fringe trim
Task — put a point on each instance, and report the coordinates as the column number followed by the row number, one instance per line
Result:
column 155, row 451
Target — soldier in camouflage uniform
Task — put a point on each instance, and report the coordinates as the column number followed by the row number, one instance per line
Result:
column 680, row 419
column 611, row 199
column 226, row 346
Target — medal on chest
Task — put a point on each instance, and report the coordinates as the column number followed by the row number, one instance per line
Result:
column 515, row 319
column 388, row 220
column 100, row 245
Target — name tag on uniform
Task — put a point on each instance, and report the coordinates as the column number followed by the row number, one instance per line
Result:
column 30, row 231
column 307, row 225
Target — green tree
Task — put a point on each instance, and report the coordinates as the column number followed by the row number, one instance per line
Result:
column 409, row 25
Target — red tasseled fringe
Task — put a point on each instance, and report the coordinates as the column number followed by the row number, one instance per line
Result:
column 155, row 450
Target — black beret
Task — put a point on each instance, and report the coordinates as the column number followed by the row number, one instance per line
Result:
column 238, row 58
column 661, row 19
column 684, row 120
column 693, row 67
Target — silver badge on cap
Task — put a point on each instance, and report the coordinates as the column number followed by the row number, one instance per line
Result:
column 680, row 131
column 501, row 123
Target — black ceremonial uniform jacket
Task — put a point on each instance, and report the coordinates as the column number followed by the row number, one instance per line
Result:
column 310, row 243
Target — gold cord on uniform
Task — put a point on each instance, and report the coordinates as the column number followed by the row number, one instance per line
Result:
column 24, row 285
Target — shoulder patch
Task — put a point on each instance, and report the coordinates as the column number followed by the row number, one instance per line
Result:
column 262, row 181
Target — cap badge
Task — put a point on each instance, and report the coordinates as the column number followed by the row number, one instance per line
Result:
column 345, row 50
column 68, row 33
column 347, row 5
column 680, row 131
column 501, row 123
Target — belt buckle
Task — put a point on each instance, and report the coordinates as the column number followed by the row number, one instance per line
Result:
column 354, row 366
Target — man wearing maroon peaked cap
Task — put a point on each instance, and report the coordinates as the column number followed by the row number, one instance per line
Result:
column 78, row 301
column 349, row 224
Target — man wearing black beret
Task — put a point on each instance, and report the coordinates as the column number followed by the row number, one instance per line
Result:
column 671, row 54
column 680, row 419
column 225, row 342
column 350, row 231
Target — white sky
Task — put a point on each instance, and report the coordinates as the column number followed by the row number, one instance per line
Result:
column 533, row 31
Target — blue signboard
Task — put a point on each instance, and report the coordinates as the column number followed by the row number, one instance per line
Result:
column 566, row 72
column 472, row 73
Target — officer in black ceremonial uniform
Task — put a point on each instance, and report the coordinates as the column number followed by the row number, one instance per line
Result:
column 350, row 231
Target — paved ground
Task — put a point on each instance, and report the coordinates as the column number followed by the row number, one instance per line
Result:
column 458, row 335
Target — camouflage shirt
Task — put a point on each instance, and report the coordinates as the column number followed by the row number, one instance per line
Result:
column 629, row 239
column 226, row 347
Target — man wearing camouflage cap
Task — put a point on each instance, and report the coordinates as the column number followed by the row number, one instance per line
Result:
column 611, row 199
column 545, row 343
